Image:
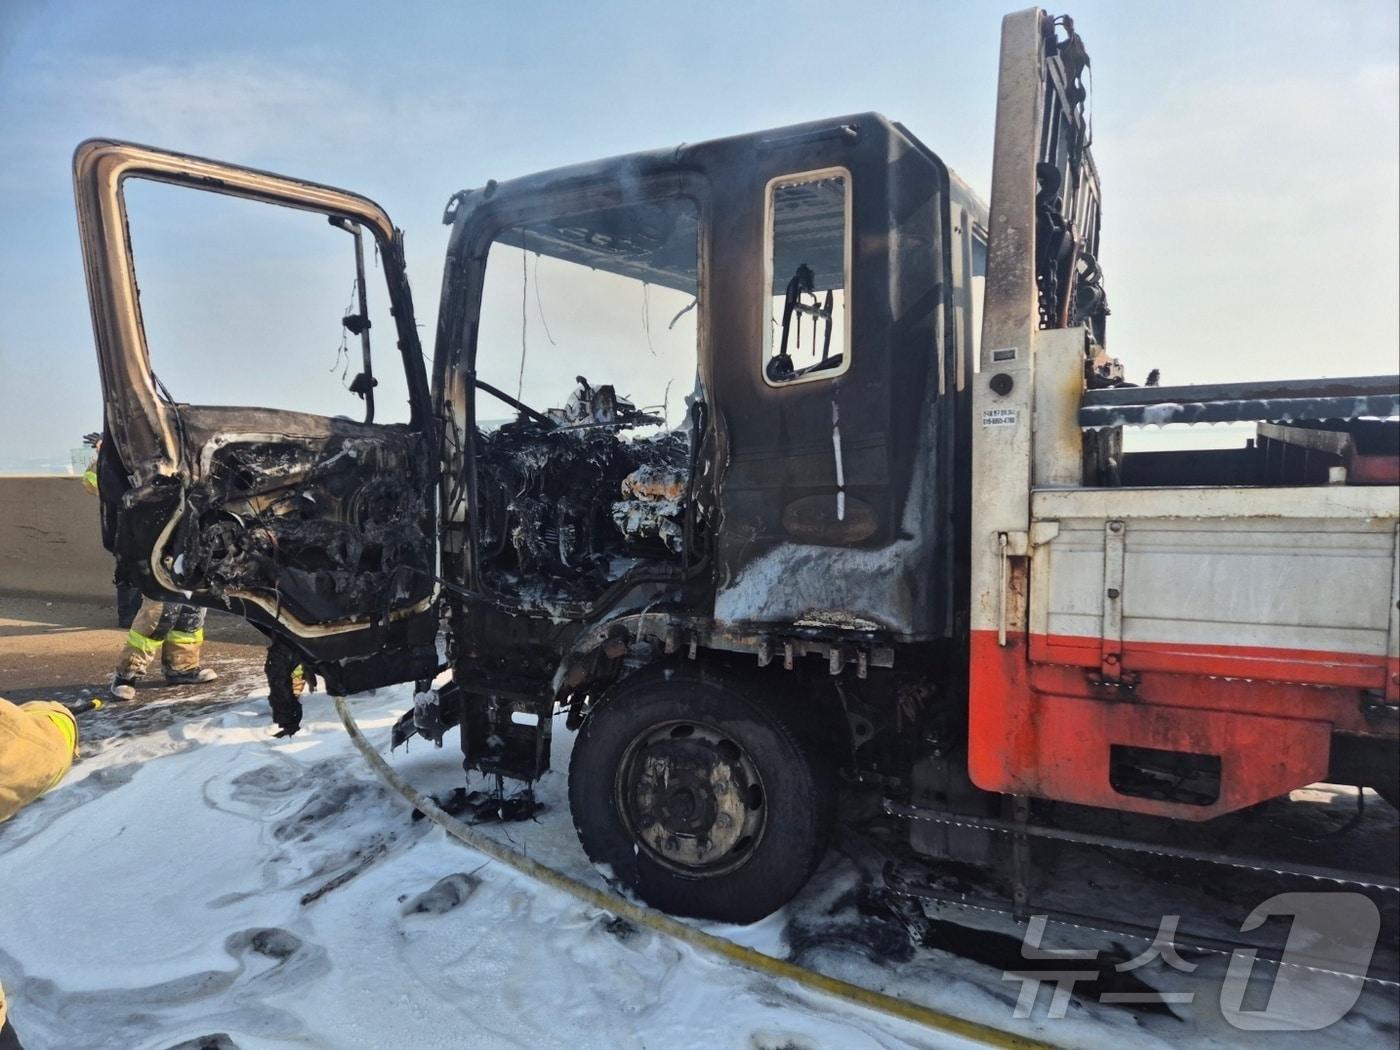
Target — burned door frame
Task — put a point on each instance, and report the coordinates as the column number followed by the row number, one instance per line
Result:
column 478, row 219
column 149, row 453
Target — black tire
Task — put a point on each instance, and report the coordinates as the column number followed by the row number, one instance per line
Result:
column 757, row 753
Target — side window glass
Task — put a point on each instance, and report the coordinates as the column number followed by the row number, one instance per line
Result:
column 807, row 332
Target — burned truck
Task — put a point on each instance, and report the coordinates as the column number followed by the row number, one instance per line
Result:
column 778, row 467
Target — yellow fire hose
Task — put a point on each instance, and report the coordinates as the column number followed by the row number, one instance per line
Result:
column 653, row 920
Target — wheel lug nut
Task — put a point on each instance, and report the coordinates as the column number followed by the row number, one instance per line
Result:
column 672, row 844
column 723, row 820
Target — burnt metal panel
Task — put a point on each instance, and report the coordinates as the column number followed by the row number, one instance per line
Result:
column 870, row 437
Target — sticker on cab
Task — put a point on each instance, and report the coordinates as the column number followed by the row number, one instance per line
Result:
column 999, row 417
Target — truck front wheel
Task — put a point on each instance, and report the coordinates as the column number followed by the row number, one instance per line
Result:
column 700, row 798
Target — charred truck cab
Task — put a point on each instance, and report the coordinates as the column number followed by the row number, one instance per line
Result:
column 786, row 514
column 695, row 590
column 699, row 470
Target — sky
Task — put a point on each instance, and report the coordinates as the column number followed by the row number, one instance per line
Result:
column 1248, row 153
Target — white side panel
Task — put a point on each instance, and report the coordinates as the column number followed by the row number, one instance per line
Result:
column 1070, row 576
column 1251, row 579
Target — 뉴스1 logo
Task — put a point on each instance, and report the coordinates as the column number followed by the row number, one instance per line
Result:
column 1316, row 980
column 998, row 417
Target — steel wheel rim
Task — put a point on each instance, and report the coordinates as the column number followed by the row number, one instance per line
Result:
column 691, row 798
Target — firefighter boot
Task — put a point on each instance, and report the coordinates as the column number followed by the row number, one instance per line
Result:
column 190, row 676
column 183, row 643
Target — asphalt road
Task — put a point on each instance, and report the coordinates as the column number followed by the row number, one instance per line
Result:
column 65, row 649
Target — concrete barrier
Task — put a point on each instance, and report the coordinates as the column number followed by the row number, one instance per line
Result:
column 50, row 541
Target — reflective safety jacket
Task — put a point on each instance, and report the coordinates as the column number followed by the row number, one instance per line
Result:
column 90, row 476
column 37, row 742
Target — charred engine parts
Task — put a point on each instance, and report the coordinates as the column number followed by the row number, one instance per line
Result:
column 515, row 747
column 566, row 509
column 501, row 736
column 432, row 713
column 332, row 532
column 651, row 508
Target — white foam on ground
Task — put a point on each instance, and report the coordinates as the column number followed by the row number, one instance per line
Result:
column 155, row 897
column 128, row 901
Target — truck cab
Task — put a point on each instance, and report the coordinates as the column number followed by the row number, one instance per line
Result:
column 749, row 459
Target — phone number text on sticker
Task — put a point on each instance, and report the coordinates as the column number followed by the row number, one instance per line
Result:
column 999, row 417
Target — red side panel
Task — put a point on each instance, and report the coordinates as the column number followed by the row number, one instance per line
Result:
column 1308, row 666
column 1047, row 730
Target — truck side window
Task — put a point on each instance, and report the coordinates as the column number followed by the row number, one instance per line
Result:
column 808, row 262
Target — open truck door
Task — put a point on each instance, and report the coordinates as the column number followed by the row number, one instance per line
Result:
column 320, row 531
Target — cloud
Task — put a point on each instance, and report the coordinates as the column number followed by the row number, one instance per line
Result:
column 235, row 106
column 302, row 113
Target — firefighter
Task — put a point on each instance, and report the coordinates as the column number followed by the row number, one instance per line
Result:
column 173, row 629
column 128, row 596
column 37, row 743
column 176, row 630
